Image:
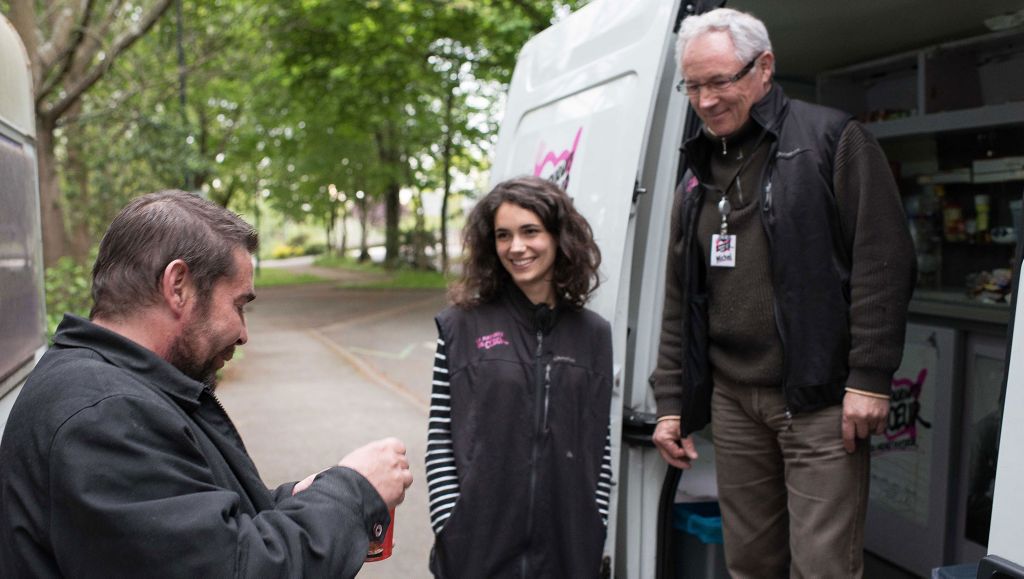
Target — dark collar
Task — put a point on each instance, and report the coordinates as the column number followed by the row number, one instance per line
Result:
column 534, row 317
column 748, row 133
column 767, row 114
column 770, row 111
column 76, row 332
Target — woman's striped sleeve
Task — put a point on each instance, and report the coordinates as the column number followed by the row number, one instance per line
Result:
column 604, row 481
column 442, row 480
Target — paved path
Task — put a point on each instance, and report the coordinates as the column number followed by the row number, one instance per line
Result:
column 327, row 370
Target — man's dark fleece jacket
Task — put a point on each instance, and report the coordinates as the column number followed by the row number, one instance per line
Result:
column 115, row 464
column 866, row 224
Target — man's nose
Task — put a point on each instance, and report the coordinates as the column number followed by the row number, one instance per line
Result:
column 706, row 99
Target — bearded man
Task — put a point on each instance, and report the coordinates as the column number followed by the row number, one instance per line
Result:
column 119, row 461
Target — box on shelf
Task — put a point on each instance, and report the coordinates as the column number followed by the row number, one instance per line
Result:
column 998, row 169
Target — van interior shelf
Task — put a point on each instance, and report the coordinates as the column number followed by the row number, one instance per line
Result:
column 956, row 305
column 957, row 120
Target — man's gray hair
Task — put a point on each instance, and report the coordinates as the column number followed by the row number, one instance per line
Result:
column 749, row 35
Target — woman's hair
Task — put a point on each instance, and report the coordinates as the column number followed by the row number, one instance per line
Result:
column 749, row 35
column 577, row 257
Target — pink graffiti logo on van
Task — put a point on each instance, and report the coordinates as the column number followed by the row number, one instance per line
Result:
column 561, row 163
column 491, row 340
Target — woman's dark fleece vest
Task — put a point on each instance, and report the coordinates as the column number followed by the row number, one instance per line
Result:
column 810, row 262
column 530, row 395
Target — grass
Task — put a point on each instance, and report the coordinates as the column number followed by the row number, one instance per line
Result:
column 341, row 262
column 400, row 278
column 272, row 276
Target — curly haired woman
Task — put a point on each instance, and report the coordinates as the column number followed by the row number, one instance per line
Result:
column 518, row 459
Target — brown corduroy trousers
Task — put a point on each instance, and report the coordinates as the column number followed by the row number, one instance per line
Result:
column 793, row 500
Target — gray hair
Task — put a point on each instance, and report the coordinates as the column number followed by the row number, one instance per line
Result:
column 749, row 35
column 154, row 230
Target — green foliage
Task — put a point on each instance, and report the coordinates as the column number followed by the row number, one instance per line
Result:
column 285, row 250
column 385, row 278
column 344, row 262
column 277, row 101
column 68, row 285
column 299, row 239
column 314, row 249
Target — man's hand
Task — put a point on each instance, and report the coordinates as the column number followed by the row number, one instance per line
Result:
column 862, row 417
column 676, row 451
column 383, row 463
column 304, row 483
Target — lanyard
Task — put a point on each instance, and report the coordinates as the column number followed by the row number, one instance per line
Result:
column 724, row 207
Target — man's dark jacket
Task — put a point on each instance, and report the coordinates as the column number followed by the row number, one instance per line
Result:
column 115, row 464
column 811, row 262
column 530, row 396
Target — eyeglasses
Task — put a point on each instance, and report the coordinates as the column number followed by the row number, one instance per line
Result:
column 717, row 85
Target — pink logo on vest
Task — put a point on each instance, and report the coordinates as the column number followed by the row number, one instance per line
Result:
column 691, row 184
column 491, row 340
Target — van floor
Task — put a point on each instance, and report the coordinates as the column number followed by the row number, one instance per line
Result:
column 877, row 568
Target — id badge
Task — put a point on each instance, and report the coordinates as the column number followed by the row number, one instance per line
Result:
column 723, row 250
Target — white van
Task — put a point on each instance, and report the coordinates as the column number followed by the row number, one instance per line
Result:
column 22, row 318
column 592, row 106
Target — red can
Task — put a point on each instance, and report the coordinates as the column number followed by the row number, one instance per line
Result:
column 380, row 549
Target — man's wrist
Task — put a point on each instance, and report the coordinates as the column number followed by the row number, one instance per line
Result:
column 668, row 417
column 867, row 393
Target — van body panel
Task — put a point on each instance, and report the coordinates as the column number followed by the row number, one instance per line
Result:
column 1007, row 526
column 22, row 315
column 16, row 101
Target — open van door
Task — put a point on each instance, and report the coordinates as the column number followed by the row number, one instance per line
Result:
column 591, row 107
column 22, row 321
column 1005, row 559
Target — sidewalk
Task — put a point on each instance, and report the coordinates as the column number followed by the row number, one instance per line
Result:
column 327, row 370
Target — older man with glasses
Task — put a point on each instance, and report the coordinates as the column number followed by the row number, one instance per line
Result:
column 789, row 275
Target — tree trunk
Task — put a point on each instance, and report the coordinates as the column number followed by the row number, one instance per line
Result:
column 329, row 222
column 446, row 153
column 55, row 240
column 77, row 171
column 344, row 230
column 364, row 249
column 393, row 209
column 420, row 237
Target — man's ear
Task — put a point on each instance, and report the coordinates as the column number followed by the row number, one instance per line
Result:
column 764, row 66
column 176, row 286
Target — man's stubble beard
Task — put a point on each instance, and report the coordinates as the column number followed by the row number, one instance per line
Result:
column 183, row 355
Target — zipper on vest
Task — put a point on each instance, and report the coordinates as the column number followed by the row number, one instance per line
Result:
column 766, row 209
column 547, row 395
column 538, row 425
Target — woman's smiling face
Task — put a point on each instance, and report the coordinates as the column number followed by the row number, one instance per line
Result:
column 526, row 250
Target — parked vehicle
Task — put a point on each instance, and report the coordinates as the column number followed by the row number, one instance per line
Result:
column 592, row 106
column 22, row 318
